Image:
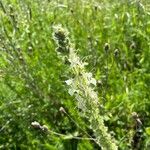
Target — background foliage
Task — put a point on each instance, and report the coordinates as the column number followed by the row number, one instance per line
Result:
column 32, row 76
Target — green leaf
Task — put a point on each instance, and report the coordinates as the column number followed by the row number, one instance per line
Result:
column 147, row 130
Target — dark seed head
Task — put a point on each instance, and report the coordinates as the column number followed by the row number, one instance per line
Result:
column 60, row 34
column 106, row 47
column 116, row 53
column 72, row 11
column 134, row 115
column 62, row 110
column 61, row 37
column 133, row 46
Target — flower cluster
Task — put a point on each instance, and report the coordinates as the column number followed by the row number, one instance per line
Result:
column 82, row 86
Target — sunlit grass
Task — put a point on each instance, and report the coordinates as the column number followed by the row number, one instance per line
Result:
column 32, row 76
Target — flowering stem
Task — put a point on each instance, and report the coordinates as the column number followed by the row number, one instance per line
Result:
column 82, row 86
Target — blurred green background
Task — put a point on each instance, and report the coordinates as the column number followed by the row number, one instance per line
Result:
column 32, row 86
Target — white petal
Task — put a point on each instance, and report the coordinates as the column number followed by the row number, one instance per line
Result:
column 93, row 81
column 69, row 82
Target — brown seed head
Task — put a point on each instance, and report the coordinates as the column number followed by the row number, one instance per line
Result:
column 62, row 110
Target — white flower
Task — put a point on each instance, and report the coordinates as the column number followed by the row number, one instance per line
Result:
column 69, row 82
column 72, row 91
column 93, row 81
column 88, row 75
column 90, row 79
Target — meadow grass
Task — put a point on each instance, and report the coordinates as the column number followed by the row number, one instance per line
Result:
column 112, row 36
